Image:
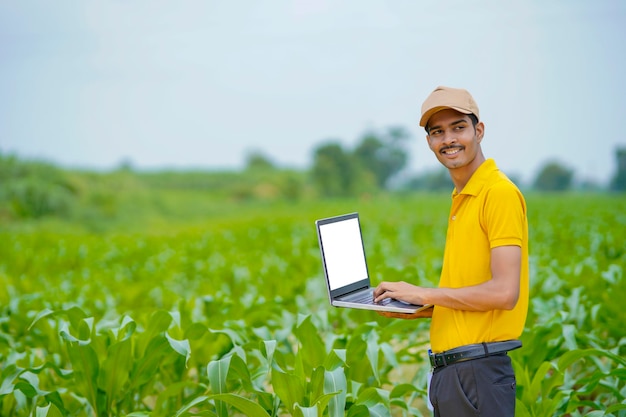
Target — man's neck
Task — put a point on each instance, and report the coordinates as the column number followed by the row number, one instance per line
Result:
column 461, row 176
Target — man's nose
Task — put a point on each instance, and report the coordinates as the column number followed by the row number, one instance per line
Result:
column 448, row 138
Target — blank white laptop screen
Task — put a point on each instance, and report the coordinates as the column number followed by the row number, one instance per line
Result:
column 343, row 253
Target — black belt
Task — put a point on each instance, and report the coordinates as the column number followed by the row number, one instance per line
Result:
column 467, row 352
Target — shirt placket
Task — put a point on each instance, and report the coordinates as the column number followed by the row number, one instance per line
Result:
column 454, row 213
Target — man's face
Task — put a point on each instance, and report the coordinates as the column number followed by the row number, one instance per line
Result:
column 453, row 138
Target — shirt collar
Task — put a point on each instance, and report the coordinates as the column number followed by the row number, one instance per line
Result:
column 478, row 179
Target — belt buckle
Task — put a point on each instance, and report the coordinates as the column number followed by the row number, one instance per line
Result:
column 433, row 361
column 431, row 356
column 437, row 360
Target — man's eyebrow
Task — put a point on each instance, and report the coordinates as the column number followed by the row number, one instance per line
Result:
column 451, row 124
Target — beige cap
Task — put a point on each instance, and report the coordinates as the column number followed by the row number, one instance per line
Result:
column 448, row 98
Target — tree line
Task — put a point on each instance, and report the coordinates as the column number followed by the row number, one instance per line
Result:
column 380, row 158
column 377, row 163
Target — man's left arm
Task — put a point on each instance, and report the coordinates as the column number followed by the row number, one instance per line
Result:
column 500, row 292
column 505, row 218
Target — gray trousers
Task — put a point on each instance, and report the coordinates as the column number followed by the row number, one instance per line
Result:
column 480, row 387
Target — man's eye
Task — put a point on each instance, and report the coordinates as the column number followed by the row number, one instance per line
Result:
column 435, row 132
column 461, row 127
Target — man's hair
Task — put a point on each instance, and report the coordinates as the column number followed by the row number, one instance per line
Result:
column 472, row 116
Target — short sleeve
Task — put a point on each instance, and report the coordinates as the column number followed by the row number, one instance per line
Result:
column 504, row 215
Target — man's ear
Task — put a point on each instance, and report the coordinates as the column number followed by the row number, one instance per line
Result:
column 480, row 131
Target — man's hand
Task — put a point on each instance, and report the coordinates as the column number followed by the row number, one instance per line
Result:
column 401, row 291
column 422, row 314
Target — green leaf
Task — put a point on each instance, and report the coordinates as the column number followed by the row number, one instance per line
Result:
column 401, row 390
column 86, row 367
column 195, row 331
column 158, row 324
column 289, row 388
column 126, row 329
column 183, row 411
column 83, row 326
column 396, row 397
column 43, row 313
column 372, row 353
column 218, row 374
column 175, row 315
column 172, row 391
column 246, row 406
column 54, row 398
column 336, row 358
column 574, row 355
column 362, row 357
column 76, row 317
column 520, row 409
column 374, row 399
column 323, row 401
column 239, row 370
column 542, row 382
column 615, row 407
column 300, row 411
column 49, row 410
column 379, row 410
column 182, row 347
column 148, row 366
column 358, row 410
column 335, row 382
column 8, row 376
column 315, row 389
column 115, row 371
column 234, row 337
column 390, row 355
column 312, row 351
column 26, row 388
column 268, row 352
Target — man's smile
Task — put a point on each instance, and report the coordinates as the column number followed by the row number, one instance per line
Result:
column 451, row 150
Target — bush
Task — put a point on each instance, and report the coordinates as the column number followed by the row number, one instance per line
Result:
column 33, row 189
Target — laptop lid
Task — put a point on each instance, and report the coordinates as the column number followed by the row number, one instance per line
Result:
column 343, row 254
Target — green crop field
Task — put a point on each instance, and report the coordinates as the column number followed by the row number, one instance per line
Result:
column 220, row 309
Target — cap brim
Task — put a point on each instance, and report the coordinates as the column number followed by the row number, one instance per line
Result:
column 426, row 116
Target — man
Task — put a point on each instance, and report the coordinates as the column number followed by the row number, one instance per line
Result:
column 481, row 302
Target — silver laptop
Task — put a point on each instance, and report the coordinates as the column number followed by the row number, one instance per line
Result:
column 345, row 267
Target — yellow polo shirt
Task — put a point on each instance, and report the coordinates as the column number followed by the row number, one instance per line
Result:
column 489, row 212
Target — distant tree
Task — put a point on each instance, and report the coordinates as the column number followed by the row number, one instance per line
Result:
column 291, row 186
column 334, row 171
column 33, row 189
column 383, row 154
column 588, row 184
column 258, row 162
column 554, row 177
column 618, row 183
column 125, row 165
column 437, row 180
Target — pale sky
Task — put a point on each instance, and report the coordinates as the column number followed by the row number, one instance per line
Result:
column 200, row 84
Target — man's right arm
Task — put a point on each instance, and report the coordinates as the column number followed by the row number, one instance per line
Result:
column 422, row 314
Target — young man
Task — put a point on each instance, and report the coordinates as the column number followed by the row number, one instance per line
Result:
column 481, row 302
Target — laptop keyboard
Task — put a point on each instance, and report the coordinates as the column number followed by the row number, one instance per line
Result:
column 368, row 298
